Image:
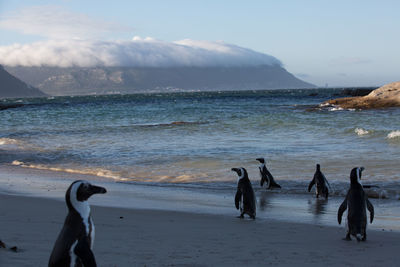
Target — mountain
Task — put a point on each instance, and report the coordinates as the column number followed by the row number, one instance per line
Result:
column 12, row 87
column 105, row 80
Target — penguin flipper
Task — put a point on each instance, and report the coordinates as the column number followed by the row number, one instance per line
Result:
column 342, row 208
column 85, row 254
column 263, row 179
column 370, row 208
column 311, row 184
column 238, row 197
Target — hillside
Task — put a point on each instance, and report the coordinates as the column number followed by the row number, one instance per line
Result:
column 104, row 80
column 12, row 87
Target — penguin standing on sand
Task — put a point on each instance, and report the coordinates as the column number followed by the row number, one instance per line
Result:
column 75, row 241
column 356, row 202
column 245, row 197
column 321, row 183
column 266, row 176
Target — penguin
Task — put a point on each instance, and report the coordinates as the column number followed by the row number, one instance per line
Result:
column 321, row 183
column 245, row 197
column 356, row 202
column 266, row 176
column 75, row 241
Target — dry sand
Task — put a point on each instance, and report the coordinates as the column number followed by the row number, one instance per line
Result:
column 127, row 237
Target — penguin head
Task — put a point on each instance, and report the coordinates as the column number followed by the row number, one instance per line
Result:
column 241, row 172
column 261, row 160
column 79, row 192
column 355, row 175
column 318, row 167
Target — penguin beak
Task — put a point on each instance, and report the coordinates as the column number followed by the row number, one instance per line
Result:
column 93, row 189
column 237, row 170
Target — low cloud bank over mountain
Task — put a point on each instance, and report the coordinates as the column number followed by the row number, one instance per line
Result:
column 138, row 52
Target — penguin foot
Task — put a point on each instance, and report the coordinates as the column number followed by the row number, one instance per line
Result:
column 347, row 238
column 253, row 217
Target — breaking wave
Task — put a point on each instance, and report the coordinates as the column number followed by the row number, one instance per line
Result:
column 8, row 141
column 393, row 134
column 361, row 131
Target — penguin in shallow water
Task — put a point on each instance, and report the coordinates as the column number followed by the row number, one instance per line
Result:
column 245, row 198
column 75, row 241
column 266, row 176
column 321, row 183
column 356, row 202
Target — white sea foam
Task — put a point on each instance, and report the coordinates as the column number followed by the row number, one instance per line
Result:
column 393, row 134
column 8, row 141
column 324, row 104
column 91, row 171
column 336, row 108
column 361, row 131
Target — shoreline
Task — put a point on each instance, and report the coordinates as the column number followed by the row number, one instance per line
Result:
column 132, row 237
column 277, row 206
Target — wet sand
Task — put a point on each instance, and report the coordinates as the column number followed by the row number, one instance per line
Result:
column 131, row 237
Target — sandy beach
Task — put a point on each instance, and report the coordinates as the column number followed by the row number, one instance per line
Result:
column 129, row 237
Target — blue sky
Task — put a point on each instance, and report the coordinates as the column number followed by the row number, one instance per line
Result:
column 339, row 43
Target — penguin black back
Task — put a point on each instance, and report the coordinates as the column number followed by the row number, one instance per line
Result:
column 320, row 182
column 245, row 197
column 74, row 244
column 356, row 202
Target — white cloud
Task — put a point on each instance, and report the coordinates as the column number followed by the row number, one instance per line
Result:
column 138, row 52
column 73, row 41
column 57, row 22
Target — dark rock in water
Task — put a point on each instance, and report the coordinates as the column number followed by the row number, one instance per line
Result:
column 357, row 91
column 7, row 106
column 313, row 94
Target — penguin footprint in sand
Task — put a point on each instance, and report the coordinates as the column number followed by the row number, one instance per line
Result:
column 356, row 202
column 245, row 199
column 75, row 241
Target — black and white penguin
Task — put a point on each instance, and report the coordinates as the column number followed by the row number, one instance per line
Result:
column 321, row 183
column 356, row 202
column 75, row 241
column 245, row 197
column 266, row 176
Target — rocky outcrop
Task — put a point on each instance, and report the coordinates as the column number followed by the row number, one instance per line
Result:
column 383, row 97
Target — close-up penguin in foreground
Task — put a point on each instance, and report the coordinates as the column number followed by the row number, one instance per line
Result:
column 266, row 176
column 75, row 241
column 356, row 202
column 321, row 183
column 245, row 199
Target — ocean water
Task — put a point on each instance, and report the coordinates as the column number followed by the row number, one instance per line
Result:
column 192, row 140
